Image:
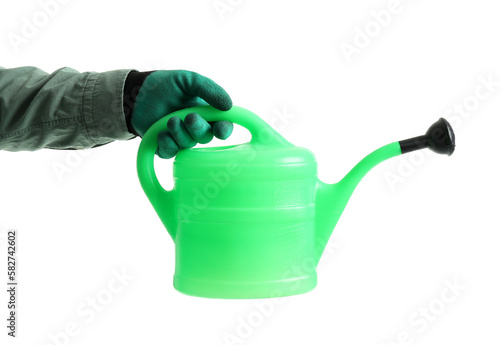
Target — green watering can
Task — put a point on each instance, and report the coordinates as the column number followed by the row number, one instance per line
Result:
column 252, row 220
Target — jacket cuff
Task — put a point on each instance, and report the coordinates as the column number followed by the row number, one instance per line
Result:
column 103, row 107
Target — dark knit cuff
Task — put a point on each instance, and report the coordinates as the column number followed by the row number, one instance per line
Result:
column 131, row 89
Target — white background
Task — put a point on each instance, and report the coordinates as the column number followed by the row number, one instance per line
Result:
column 396, row 245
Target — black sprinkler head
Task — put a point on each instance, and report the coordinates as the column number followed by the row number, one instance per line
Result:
column 439, row 138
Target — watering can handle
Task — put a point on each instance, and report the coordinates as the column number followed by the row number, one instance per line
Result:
column 164, row 201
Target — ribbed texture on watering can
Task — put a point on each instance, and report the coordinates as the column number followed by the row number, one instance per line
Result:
column 261, row 185
column 245, row 161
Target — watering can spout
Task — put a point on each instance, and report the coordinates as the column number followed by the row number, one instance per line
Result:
column 331, row 199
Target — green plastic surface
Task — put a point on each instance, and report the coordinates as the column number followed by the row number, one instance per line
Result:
column 248, row 220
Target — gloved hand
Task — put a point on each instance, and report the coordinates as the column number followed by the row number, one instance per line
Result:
column 164, row 92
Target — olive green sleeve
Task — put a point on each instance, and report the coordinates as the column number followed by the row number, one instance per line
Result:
column 62, row 110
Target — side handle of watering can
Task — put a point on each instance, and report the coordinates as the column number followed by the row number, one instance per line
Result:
column 163, row 201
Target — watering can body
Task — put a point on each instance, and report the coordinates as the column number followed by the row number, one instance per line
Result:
column 244, row 221
column 249, row 220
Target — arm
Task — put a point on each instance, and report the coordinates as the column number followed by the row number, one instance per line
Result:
column 61, row 110
column 72, row 110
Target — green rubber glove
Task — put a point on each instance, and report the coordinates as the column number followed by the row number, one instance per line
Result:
column 164, row 92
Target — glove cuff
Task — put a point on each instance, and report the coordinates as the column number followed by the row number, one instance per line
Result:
column 133, row 84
